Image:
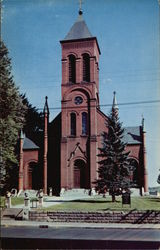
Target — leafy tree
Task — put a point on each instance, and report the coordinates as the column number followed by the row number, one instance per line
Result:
column 113, row 165
column 33, row 119
column 12, row 113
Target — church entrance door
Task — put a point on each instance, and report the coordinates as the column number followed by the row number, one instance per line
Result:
column 33, row 180
column 79, row 174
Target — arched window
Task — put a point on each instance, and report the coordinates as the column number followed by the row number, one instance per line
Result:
column 72, row 69
column 133, row 169
column 73, row 124
column 84, row 124
column 86, row 68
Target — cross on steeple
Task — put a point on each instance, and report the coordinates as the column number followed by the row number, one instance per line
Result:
column 80, row 7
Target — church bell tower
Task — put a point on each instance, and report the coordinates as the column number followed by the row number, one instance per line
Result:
column 80, row 99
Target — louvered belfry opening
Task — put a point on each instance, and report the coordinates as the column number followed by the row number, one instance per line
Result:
column 73, row 124
column 72, row 69
column 86, row 68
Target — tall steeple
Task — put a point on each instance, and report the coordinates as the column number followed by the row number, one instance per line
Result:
column 45, row 153
column 144, row 157
column 20, row 185
column 80, row 98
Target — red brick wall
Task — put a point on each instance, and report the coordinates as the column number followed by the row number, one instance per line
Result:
column 28, row 157
column 89, row 93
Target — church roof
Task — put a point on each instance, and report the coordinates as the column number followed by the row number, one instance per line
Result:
column 79, row 30
column 28, row 144
column 132, row 135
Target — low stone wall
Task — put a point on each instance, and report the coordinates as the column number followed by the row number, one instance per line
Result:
column 133, row 216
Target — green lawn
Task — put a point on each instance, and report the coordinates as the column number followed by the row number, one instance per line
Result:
column 97, row 204
column 14, row 201
column 17, row 200
column 2, row 201
column 104, row 204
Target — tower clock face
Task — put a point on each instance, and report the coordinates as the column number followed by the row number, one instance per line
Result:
column 78, row 100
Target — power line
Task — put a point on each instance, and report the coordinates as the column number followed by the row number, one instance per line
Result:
column 102, row 105
column 107, row 105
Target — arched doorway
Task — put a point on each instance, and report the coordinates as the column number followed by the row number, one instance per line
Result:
column 133, row 169
column 79, row 174
column 33, row 176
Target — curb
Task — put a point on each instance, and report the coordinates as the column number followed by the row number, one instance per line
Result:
column 10, row 223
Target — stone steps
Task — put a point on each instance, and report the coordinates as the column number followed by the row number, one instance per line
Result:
column 133, row 217
column 12, row 213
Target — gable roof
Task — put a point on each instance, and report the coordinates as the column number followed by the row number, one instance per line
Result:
column 79, row 30
column 132, row 135
column 28, row 144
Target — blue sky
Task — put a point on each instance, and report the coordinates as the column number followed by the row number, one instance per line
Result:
column 128, row 36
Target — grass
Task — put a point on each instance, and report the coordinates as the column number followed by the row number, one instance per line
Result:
column 97, row 204
column 17, row 200
column 104, row 204
column 2, row 201
column 14, row 201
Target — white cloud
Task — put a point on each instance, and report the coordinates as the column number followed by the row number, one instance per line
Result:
column 107, row 81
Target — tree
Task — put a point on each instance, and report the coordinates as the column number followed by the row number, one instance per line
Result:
column 113, row 165
column 33, row 119
column 12, row 113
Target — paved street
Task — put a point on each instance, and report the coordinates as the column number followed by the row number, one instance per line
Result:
column 79, row 238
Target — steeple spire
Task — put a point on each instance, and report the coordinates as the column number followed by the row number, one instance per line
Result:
column 79, row 30
column 45, row 153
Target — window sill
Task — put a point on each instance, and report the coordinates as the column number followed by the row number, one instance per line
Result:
column 72, row 136
column 84, row 135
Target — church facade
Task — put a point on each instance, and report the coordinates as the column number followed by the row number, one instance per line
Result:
column 67, row 158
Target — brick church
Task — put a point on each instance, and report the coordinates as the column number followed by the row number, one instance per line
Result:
column 66, row 156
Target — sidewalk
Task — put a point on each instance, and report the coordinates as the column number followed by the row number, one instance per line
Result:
column 11, row 223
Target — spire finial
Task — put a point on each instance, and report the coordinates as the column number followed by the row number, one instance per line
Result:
column 21, row 134
column 46, row 109
column 80, row 7
column 143, row 123
column 115, row 106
